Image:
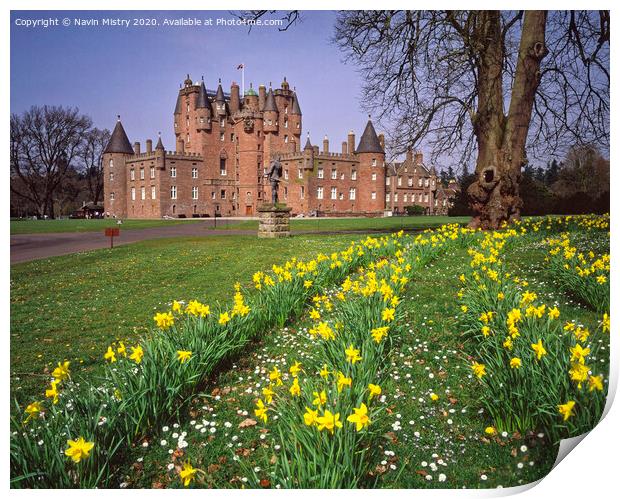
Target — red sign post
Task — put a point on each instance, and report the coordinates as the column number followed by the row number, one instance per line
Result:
column 111, row 232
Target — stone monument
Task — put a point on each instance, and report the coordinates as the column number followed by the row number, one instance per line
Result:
column 274, row 218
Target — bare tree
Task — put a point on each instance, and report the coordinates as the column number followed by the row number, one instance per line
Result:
column 484, row 82
column 43, row 143
column 91, row 152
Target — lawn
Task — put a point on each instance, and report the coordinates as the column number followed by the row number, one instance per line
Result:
column 431, row 430
column 83, row 225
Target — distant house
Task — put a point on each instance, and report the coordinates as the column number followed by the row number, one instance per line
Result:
column 88, row 210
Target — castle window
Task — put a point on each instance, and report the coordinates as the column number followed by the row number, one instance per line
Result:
column 374, row 162
column 285, row 192
column 396, row 197
column 426, row 198
column 352, row 193
column 187, row 123
column 354, row 175
column 194, row 172
column 400, row 181
column 232, row 137
column 302, row 192
column 374, row 176
column 223, row 193
column 133, row 193
column 222, row 123
column 405, row 197
column 153, row 190
column 173, row 192
column 286, row 110
column 111, row 196
column 410, row 182
column 419, row 182
column 285, row 123
column 143, row 192
column 334, row 174
column 176, row 124
column 285, row 174
column 212, row 194
column 433, row 183
column 111, row 176
column 202, row 120
column 297, row 125
column 286, row 139
column 425, row 182
column 188, row 137
column 194, row 192
column 373, row 195
column 222, row 136
column 188, row 108
column 320, row 173
column 435, row 202
column 111, row 163
column 319, row 193
column 222, row 166
column 173, row 171
column 132, row 174
column 300, row 173
column 387, row 197
column 269, row 122
column 152, row 172
column 341, row 196
column 334, row 193
column 141, row 173
column 387, row 180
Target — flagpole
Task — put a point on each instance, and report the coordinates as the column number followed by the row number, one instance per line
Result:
column 243, row 80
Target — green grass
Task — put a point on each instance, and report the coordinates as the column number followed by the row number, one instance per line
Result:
column 71, row 307
column 83, row 225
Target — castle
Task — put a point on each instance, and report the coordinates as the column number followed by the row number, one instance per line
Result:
column 224, row 145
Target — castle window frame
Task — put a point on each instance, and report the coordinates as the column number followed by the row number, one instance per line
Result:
column 141, row 173
column 285, row 123
column 153, row 192
column 396, row 197
column 194, row 192
column 426, row 182
column 133, row 193
column 232, row 137
column 222, row 123
column 173, row 192
column 354, row 175
column 319, row 192
column 223, row 172
column 298, row 125
column 302, row 192
column 143, row 193
column 374, row 177
column 132, row 174
column 212, row 194
column 410, row 182
column 432, row 183
column 319, row 173
column 334, row 193
column 374, row 161
column 300, row 173
column 222, row 136
column 387, row 180
column 222, row 193
column 352, row 193
column 286, row 110
column 111, row 163
column 286, row 174
column 285, row 192
column 152, row 172
column 112, row 196
column 400, row 181
column 286, row 139
column 373, row 195
column 194, row 172
column 387, row 197
column 405, row 197
column 334, row 174
column 111, row 176
column 419, row 182
column 173, row 171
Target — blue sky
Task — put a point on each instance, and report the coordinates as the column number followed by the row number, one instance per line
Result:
column 136, row 71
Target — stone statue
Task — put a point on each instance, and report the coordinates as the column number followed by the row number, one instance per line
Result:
column 274, row 175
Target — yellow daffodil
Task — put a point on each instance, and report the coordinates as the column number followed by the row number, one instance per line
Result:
column 268, row 393
column 78, row 449
column 121, row 350
column 515, row 363
column 110, row 355
column 295, row 368
column 359, row 417
column 478, row 369
column 319, row 398
column 136, row 354
column 579, row 354
column 387, row 315
column 566, row 410
column 176, row 306
column 374, row 390
column 352, row 354
column 324, row 372
column 307, row 284
column 52, row 391
column 310, row 417
column 434, row 396
column 61, row 372
column 295, row 388
column 579, row 373
column 224, row 318
column 539, row 349
column 261, row 410
column 490, row 430
column 184, row 355
column 314, row 314
column 276, row 376
column 595, row 383
column 605, row 323
column 164, row 320
column 33, row 410
column 188, row 473
column 329, row 421
column 379, row 333
column 343, row 381
column 553, row 313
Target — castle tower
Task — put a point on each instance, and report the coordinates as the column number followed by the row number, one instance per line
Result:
column 187, row 123
column 372, row 166
column 115, row 175
column 294, row 119
column 235, row 103
column 203, row 109
column 251, row 100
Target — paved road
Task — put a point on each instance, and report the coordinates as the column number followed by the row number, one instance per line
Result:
column 26, row 247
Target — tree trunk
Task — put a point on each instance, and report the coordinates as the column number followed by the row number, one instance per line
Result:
column 494, row 196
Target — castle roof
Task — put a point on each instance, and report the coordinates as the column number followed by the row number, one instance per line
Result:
column 203, row 98
column 119, row 141
column 308, row 144
column 295, row 109
column 219, row 95
column 160, row 145
column 270, row 102
column 369, row 141
column 177, row 108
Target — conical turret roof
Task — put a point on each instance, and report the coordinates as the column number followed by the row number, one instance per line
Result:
column 308, row 144
column 160, row 145
column 219, row 95
column 369, row 142
column 119, row 141
column 177, row 108
column 295, row 109
column 270, row 102
column 203, row 98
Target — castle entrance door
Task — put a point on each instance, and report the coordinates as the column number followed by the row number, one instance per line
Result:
column 248, row 210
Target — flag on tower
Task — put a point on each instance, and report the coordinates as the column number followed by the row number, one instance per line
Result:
column 240, row 66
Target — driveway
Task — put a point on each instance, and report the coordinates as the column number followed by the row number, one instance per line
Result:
column 26, row 247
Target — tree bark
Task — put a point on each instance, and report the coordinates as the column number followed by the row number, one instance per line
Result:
column 494, row 196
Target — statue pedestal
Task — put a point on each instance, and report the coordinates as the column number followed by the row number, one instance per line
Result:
column 274, row 221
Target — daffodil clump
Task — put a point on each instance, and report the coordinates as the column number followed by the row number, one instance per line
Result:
column 535, row 365
column 148, row 382
column 326, row 415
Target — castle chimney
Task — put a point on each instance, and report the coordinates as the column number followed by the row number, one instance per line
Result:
column 382, row 141
column 136, row 147
column 325, row 145
column 344, row 148
column 149, row 146
column 262, row 95
column 409, row 155
column 351, row 142
column 316, row 150
column 418, row 157
column 234, row 97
